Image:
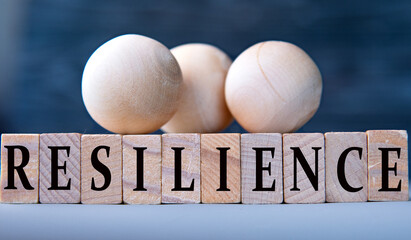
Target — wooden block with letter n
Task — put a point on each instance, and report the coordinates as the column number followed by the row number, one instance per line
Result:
column 304, row 171
column 181, row 168
column 142, row 169
column 60, row 168
column 101, row 169
column 346, row 167
column 19, row 168
column 387, row 165
column 220, row 168
column 261, row 168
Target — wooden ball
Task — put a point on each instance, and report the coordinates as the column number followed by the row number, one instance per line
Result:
column 132, row 84
column 273, row 86
column 202, row 107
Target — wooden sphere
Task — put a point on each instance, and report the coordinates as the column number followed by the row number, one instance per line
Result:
column 202, row 108
column 132, row 84
column 273, row 86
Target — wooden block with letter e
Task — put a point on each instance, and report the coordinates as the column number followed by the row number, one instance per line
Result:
column 220, row 168
column 181, row 168
column 261, row 168
column 60, row 168
column 346, row 167
column 304, row 171
column 19, row 168
column 142, row 169
column 387, row 165
column 101, row 169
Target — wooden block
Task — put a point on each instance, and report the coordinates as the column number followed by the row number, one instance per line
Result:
column 214, row 187
column 101, row 160
column 60, row 183
column 142, row 169
column 23, row 151
column 304, row 185
column 346, row 167
column 264, row 150
column 184, row 189
column 387, row 165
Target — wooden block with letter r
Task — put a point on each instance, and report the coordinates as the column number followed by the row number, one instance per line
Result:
column 181, row 168
column 101, row 169
column 19, row 168
column 346, row 167
column 220, row 168
column 142, row 169
column 387, row 165
column 304, row 170
column 261, row 168
column 60, row 168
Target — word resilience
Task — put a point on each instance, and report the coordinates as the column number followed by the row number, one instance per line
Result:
column 261, row 168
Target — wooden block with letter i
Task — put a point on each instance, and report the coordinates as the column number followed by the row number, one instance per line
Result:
column 261, row 168
column 60, row 168
column 220, row 168
column 142, row 169
column 181, row 168
column 346, row 167
column 387, row 165
column 304, row 174
column 19, row 168
column 101, row 169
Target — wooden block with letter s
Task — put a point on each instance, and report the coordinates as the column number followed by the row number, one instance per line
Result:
column 101, row 169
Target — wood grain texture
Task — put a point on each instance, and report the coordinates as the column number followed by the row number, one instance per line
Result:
column 273, row 86
column 132, row 84
column 190, row 167
column 307, row 193
column 72, row 172
column 20, row 195
column 248, row 168
column 355, row 166
column 210, row 168
column 113, row 194
column 151, row 167
column 387, row 139
column 202, row 108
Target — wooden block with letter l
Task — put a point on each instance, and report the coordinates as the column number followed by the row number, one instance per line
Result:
column 387, row 165
column 19, row 168
column 304, row 171
column 181, row 168
column 142, row 169
column 220, row 168
column 60, row 168
column 346, row 167
column 101, row 169
column 261, row 168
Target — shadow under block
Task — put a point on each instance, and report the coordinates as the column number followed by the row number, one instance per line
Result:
column 346, row 167
column 387, row 165
column 142, row 169
column 220, row 156
column 304, row 185
column 101, row 169
column 60, row 168
column 262, row 158
column 23, row 150
column 181, row 181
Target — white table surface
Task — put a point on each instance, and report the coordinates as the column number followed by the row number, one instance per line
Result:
column 371, row 220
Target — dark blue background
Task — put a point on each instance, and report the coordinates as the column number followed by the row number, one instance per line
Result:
column 363, row 49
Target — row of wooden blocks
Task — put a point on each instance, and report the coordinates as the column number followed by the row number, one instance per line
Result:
column 260, row 168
